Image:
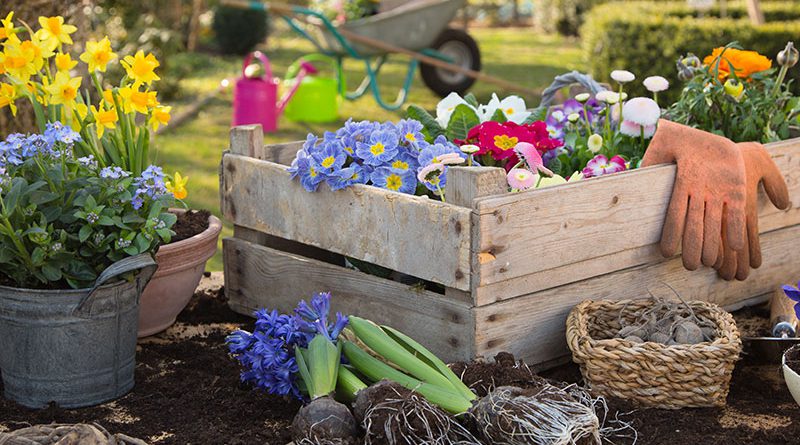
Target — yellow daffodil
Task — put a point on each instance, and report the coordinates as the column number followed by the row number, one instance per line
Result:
column 104, row 119
column 64, row 62
column 98, row 55
column 7, row 28
column 135, row 100
column 160, row 116
column 178, row 188
column 64, row 89
column 141, row 68
column 8, row 95
column 18, row 59
column 54, row 32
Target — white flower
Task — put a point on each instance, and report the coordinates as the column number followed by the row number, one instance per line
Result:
column 485, row 112
column 622, row 76
column 634, row 130
column 641, row 110
column 623, row 96
column 595, row 143
column 607, row 96
column 445, row 107
column 616, row 111
column 577, row 176
column 551, row 181
column 469, row 148
column 583, row 97
column 654, row 84
column 573, row 117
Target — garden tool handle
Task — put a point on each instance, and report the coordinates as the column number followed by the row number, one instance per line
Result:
column 142, row 262
column 264, row 61
column 781, row 315
column 294, row 68
column 288, row 95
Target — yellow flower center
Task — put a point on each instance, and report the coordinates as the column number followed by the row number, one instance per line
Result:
column 400, row 165
column 509, row 111
column 394, row 182
column 54, row 26
column 106, row 117
column 328, row 162
column 504, row 142
column 69, row 93
column 349, row 149
column 410, row 137
column 377, row 149
column 522, row 176
column 312, row 172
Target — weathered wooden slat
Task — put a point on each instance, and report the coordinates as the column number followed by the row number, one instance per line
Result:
column 258, row 276
column 282, row 154
column 410, row 234
column 529, row 241
column 465, row 184
column 532, row 326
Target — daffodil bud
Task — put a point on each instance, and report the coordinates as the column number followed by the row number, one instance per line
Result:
column 789, row 56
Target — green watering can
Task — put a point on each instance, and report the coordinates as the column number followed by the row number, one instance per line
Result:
column 318, row 97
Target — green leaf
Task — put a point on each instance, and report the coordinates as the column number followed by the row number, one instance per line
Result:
column 537, row 114
column 431, row 128
column 84, row 233
column 15, row 192
column 51, row 272
column 463, row 119
column 472, row 100
column 305, row 374
column 499, row 116
column 105, row 221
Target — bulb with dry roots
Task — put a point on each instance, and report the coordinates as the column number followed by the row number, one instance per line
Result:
column 324, row 421
column 545, row 415
column 393, row 415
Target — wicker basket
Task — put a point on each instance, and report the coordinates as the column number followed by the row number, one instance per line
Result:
column 651, row 373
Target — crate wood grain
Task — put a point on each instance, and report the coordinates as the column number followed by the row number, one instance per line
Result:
column 512, row 265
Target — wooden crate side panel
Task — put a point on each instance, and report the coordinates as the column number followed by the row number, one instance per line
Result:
column 529, row 241
column 532, row 327
column 410, row 234
column 258, row 276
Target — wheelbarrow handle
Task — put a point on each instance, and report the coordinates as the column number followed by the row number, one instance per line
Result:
column 280, row 8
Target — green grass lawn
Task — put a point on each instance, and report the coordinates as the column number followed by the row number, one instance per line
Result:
column 519, row 55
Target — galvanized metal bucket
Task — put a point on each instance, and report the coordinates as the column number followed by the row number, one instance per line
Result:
column 73, row 347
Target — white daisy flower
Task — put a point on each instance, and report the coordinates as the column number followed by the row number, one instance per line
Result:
column 623, row 76
column 654, row 84
column 607, row 96
column 641, row 110
column 633, row 129
column 573, row 117
column 595, row 143
column 583, row 97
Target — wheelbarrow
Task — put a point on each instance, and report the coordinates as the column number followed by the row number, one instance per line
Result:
column 449, row 59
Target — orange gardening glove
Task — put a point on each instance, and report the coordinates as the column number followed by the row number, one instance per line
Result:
column 761, row 169
column 710, row 183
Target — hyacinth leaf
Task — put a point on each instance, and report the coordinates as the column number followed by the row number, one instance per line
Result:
column 499, row 116
column 305, row 375
column 472, row 100
column 432, row 129
column 423, row 353
column 377, row 340
column 323, row 361
column 463, row 119
column 347, row 384
column 376, row 370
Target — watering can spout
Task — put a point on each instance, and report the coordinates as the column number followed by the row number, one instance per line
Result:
column 306, row 68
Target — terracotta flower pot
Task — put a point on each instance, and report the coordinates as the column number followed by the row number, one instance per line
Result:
column 180, row 267
column 792, row 379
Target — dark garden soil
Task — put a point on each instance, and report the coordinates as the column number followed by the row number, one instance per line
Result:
column 188, row 392
column 793, row 359
column 189, row 224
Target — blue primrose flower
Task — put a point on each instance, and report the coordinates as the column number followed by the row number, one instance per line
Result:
column 330, row 156
column 379, row 148
column 403, row 162
column 794, row 294
column 430, row 154
column 404, row 181
column 355, row 174
column 410, row 131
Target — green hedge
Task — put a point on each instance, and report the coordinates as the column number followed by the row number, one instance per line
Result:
column 567, row 16
column 647, row 38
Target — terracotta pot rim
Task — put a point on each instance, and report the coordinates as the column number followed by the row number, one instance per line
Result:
column 213, row 231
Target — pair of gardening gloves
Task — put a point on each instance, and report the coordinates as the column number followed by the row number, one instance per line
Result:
column 714, row 204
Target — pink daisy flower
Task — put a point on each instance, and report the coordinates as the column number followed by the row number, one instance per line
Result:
column 530, row 155
column 521, row 179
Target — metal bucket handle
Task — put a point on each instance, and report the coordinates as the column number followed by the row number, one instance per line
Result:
column 565, row 80
column 142, row 262
column 336, row 67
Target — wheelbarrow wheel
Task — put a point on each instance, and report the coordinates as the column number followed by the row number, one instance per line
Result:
column 463, row 51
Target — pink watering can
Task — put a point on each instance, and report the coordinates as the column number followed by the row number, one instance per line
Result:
column 255, row 99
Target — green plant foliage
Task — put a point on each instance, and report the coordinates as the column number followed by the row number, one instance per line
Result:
column 647, row 38
column 238, row 31
column 462, row 120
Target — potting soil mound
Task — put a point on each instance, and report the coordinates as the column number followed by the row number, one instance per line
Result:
column 188, row 392
column 189, row 224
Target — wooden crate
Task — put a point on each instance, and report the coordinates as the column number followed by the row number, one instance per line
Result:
column 511, row 265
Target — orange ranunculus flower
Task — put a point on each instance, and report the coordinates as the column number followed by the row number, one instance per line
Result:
column 743, row 63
